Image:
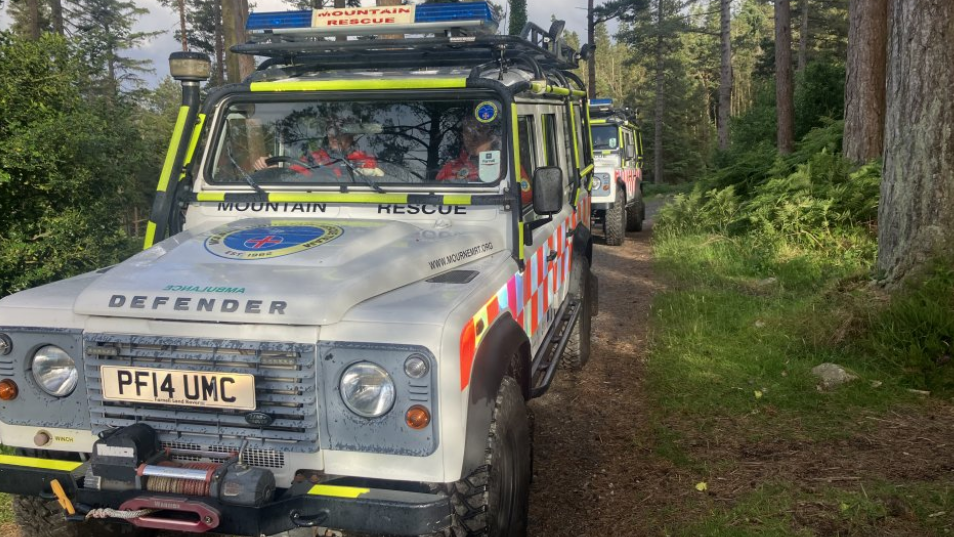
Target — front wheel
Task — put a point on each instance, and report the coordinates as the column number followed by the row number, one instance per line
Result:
column 614, row 220
column 493, row 500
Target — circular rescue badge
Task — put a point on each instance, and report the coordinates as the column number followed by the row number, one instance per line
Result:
column 265, row 242
column 525, row 185
column 486, row 111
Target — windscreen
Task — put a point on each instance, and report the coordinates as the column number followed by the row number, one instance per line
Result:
column 373, row 143
column 605, row 137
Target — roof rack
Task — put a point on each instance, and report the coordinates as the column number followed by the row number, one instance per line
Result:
column 298, row 39
column 603, row 108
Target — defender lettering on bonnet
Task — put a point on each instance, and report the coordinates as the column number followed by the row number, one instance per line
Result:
column 228, row 305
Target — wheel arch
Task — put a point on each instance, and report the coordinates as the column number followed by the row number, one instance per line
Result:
column 583, row 243
column 505, row 338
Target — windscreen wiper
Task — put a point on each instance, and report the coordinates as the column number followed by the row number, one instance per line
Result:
column 353, row 171
column 245, row 175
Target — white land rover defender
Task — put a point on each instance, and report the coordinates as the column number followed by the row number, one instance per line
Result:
column 361, row 263
column 617, row 183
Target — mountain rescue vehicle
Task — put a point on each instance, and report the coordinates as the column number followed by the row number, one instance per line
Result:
column 361, row 263
column 617, row 184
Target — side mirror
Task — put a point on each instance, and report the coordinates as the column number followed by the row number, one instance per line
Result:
column 629, row 152
column 547, row 190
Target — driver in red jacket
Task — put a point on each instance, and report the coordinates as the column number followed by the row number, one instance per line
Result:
column 341, row 146
column 478, row 138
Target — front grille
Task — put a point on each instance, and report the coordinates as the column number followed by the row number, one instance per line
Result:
column 285, row 389
column 189, row 452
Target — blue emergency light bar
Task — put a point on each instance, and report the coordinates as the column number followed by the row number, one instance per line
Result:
column 278, row 19
column 601, row 102
column 427, row 18
column 455, row 11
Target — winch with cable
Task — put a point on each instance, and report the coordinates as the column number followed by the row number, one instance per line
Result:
column 130, row 458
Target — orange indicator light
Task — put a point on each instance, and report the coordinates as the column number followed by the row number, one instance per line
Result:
column 8, row 390
column 417, row 417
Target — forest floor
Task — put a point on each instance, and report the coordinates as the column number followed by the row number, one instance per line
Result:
column 690, row 420
column 649, row 440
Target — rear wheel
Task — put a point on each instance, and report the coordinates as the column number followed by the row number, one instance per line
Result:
column 493, row 500
column 577, row 351
column 635, row 214
column 615, row 220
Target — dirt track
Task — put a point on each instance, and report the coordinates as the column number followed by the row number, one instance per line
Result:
column 587, row 480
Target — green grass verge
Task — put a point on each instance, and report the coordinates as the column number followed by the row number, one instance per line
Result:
column 6, row 509
column 734, row 338
column 652, row 190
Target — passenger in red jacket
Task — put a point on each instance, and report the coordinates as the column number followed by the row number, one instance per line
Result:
column 478, row 138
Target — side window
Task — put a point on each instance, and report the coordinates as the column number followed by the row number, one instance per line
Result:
column 528, row 161
column 568, row 145
column 629, row 141
column 585, row 151
column 549, row 140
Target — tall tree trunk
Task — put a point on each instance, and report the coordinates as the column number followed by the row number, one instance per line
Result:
column 338, row 5
column 219, row 45
column 916, row 213
column 865, row 83
column 725, row 76
column 803, row 38
column 183, row 30
column 784, row 88
column 591, row 39
column 390, row 3
column 56, row 13
column 234, row 15
column 33, row 8
column 660, row 98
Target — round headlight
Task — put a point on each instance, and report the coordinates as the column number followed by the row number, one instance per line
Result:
column 54, row 371
column 415, row 366
column 596, row 182
column 367, row 390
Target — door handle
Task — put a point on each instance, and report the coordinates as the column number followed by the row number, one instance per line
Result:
column 551, row 256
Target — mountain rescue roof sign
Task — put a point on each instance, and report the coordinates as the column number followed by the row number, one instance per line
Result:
column 363, row 16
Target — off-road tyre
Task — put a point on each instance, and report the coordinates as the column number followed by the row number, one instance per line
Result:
column 577, row 351
column 614, row 221
column 635, row 214
column 493, row 500
column 37, row 517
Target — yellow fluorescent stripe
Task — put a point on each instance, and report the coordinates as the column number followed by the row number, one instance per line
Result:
column 332, row 85
column 597, row 122
column 516, row 141
column 150, row 235
column 173, row 147
column 210, row 196
column 46, row 464
column 457, row 199
column 586, row 170
column 335, row 197
column 520, row 254
column 199, row 121
column 337, row 492
column 578, row 93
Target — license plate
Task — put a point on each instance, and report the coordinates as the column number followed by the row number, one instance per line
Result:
column 182, row 388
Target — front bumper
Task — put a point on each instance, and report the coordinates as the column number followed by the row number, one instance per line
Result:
column 352, row 508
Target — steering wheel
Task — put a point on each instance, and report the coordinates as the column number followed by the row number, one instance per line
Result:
column 280, row 159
